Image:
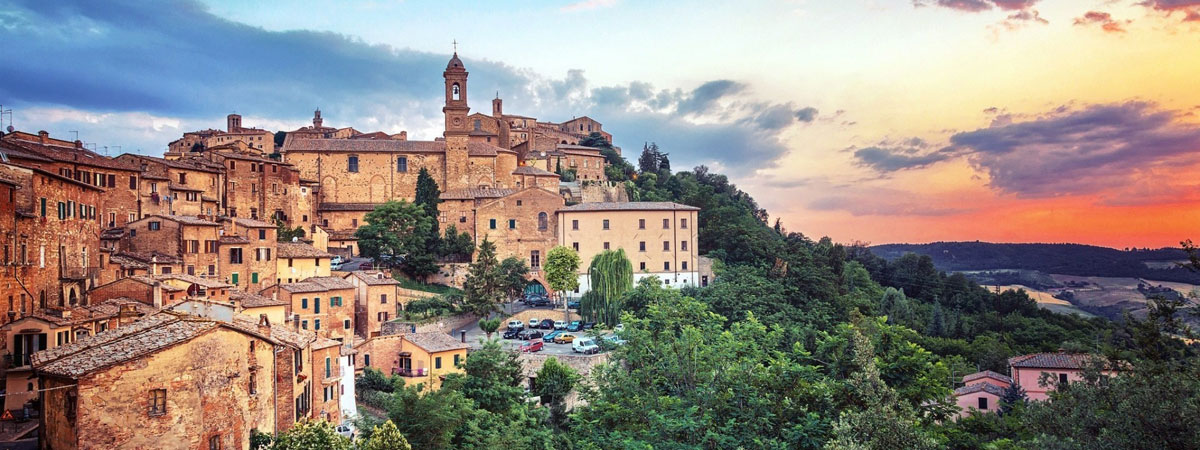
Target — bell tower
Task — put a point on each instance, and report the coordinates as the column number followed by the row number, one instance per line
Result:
column 456, row 161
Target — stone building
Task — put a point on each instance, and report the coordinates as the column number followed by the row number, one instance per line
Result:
column 247, row 250
column 659, row 238
column 377, row 300
column 190, row 186
column 53, row 327
column 194, row 240
column 416, row 357
column 297, row 261
column 196, row 141
column 53, row 243
column 522, row 224
column 324, row 305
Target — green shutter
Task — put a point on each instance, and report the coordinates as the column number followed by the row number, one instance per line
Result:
column 235, row 278
column 43, row 207
column 254, row 277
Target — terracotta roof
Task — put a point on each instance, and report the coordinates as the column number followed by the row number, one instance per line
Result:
column 182, row 188
column 299, row 250
column 374, row 277
column 245, row 157
column 206, row 282
column 129, row 342
column 251, row 300
column 365, row 145
column 324, row 206
column 145, row 258
column 474, row 193
column 474, row 149
column 84, row 314
column 329, row 282
column 1060, row 360
column 249, row 223
column 321, row 343
column 197, row 164
column 530, row 170
column 127, row 262
column 434, row 342
column 279, row 332
column 186, row 220
column 577, row 147
column 341, row 235
column 146, row 281
column 69, row 154
column 986, row 374
column 630, row 206
column 977, row 387
column 302, row 286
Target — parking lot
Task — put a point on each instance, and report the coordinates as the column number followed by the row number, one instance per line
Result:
column 475, row 335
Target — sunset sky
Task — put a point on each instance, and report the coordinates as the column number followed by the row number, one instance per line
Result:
column 879, row 121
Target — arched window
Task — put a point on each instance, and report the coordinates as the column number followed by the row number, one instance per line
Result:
column 542, row 222
column 478, row 124
column 454, row 92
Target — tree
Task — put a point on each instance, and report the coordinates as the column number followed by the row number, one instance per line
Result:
column 664, row 164
column 512, row 277
column 489, row 326
column 398, row 229
column 651, row 158
column 562, row 269
column 610, row 274
column 484, row 286
column 1014, row 397
column 311, row 435
column 429, row 419
column 427, row 197
column 554, row 382
column 260, row 440
column 280, row 136
column 455, row 244
column 285, row 234
column 384, row 437
column 492, row 378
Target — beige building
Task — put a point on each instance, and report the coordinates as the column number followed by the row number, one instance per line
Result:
column 659, row 238
column 376, row 300
column 323, row 305
column 416, row 357
column 297, row 261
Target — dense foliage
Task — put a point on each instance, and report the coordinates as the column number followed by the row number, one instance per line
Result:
column 610, row 274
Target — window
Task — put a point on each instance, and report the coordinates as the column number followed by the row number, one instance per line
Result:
column 666, row 223
column 492, row 224
column 683, row 223
column 214, row 443
column 346, row 324
column 112, row 181
column 401, row 164
column 437, row 362
column 154, row 225
column 352, row 163
column 666, row 266
column 519, row 203
column 982, row 403
column 354, row 223
column 234, row 278
column 535, row 259
column 254, row 277
column 605, row 224
column 684, row 267
column 641, row 224
column 262, row 235
column 383, row 299
column 328, row 368
column 289, row 263
column 642, row 266
column 299, row 356
column 642, row 246
column 666, row 246
column 316, row 324
column 317, row 305
column 158, row 402
column 367, row 360
column 1062, row 378
column 574, row 224
column 43, row 207
column 575, row 245
column 253, row 381
column 183, row 178
column 304, row 303
column 512, row 224
column 235, row 256
column 454, row 92
column 606, row 246
column 543, row 221
column 456, row 359
column 704, row 281
column 133, row 182
column 683, row 245
column 304, row 324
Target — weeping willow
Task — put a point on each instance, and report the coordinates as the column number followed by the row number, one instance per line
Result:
column 611, row 274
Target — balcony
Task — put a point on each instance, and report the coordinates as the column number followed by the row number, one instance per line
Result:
column 410, row 373
column 79, row 273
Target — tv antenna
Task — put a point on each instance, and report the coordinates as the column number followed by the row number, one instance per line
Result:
column 6, row 112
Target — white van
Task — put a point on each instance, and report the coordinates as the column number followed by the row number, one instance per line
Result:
column 585, row 345
column 515, row 325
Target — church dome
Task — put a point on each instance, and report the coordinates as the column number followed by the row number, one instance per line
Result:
column 455, row 63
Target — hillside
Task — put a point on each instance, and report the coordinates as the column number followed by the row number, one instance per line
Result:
column 1066, row 259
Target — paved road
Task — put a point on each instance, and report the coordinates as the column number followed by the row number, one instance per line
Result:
column 356, row 263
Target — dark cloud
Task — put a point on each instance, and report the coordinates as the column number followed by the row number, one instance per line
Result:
column 891, row 159
column 806, row 114
column 1080, row 151
column 176, row 62
column 1103, row 20
column 883, row 202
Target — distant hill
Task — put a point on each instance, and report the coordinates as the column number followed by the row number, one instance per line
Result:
column 1066, row 259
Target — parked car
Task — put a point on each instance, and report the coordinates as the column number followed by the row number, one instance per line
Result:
column 560, row 324
column 614, row 339
column 532, row 346
column 589, row 325
column 538, row 302
column 346, row 430
column 619, row 328
column 575, row 326
column 512, row 333
column 336, row 261
column 529, row 334
column 585, row 345
column 546, row 324
column 565, row 338
column 533, row 322
column 551, row 335
column 573, row 304
column 516, row 324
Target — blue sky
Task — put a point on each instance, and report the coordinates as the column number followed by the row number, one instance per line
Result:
column 879, row 120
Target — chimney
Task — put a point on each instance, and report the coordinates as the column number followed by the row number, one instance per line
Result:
column 126, row 314
column 404, row 135
column 264, row 324
column 156, row 294
column 78, row 144
column 462, row 335
column 43, row 137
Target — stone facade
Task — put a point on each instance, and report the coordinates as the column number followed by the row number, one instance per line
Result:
column 377, row 300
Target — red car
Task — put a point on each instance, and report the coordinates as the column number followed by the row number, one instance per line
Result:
column 532, row 346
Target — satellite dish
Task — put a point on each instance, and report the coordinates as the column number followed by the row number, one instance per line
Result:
column 10, row 128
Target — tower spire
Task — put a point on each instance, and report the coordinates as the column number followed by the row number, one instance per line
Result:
column 455, row 42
